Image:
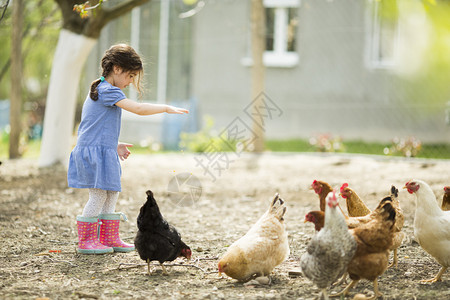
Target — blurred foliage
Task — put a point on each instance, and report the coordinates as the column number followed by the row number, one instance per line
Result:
column 327, row 143
column 41, row 30
column 408, row 147
column 430, row 82
column 28, row 148
column 388, row 9
column 206, row 140
column 84, row 9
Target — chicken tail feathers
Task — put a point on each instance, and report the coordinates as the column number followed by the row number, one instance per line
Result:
column 390, row 209
column 394, row 192
column 277, row 207
column 277, row 198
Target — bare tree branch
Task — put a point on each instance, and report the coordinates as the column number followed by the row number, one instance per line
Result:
column 121, row 9
column 104, row 15
column 92, row 25
column 4, row 7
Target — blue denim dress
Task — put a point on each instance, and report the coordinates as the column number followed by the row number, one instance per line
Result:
column 94, row 162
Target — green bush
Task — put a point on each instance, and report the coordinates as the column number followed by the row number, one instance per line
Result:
column 205, row 140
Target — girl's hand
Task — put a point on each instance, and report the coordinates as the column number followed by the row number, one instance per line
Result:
column 122, row 150
column 176, row 110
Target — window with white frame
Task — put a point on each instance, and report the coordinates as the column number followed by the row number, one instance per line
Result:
column 383, row 34
column 281, row 34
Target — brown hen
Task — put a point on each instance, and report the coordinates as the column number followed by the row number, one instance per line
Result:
column 374, row 240
column 317, row 217
column 322, row 189
column 355, row 206
column 354, row 222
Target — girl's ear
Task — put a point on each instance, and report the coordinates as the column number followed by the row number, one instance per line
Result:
column 117, row 70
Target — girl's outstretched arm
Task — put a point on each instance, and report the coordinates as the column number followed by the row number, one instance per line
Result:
column 145, row 109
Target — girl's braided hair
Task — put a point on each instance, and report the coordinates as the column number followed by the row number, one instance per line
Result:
column 124, row 57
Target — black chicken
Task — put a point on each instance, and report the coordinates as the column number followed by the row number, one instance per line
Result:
column 156, row 239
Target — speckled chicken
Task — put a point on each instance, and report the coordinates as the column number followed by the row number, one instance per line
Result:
column 261, row 249
column 355, row 206
column 330, row 250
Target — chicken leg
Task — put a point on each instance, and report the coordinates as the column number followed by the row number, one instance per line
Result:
column 324, row 294
column 375, row 290
column 438, row 276
column 149, row 271
column 341, row 280
column 344, row 292
column 164, row 269
column 395, row 259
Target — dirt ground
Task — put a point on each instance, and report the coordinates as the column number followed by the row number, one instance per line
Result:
column 38, row 210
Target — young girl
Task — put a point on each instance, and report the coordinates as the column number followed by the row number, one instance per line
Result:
column 94, row 162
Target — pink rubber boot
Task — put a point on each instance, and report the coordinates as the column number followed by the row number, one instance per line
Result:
column 88, row 242
column 109, row 232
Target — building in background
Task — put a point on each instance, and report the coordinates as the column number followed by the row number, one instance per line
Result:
column 332, row 67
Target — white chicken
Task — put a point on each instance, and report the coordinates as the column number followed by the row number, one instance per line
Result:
column 261, row 249
column 431, row 225
column 330, row 250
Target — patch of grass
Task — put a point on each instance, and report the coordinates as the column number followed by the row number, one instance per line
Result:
column 436, row 151
column 361, row 147
column 293, row 145
column 29, row 149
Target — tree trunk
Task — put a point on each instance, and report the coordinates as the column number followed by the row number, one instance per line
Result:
column 70, row 55
column 16, row 79
column 257, row 73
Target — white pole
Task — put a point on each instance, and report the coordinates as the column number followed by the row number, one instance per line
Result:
column 163, row 50
column 135, row 37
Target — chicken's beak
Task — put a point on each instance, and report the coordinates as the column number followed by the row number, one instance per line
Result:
column 305, row 221
column 405, row 187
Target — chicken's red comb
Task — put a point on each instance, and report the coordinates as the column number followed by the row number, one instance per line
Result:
column 344, row 186
column 314, row 182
